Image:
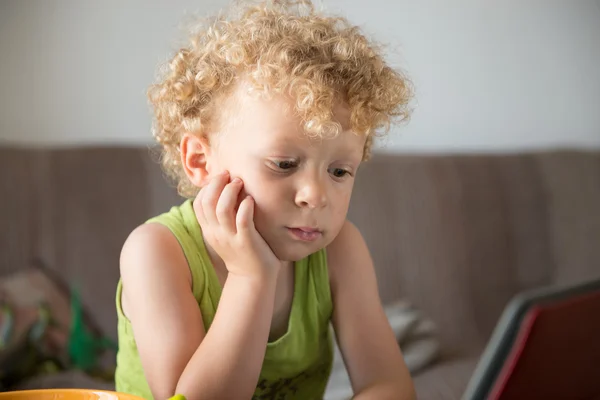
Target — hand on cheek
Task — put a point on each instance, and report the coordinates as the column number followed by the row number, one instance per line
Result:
column 226, row 216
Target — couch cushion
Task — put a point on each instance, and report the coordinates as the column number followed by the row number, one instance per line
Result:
column 19, row 216
column 460, row 235
column 94, row 199
column 456, row 235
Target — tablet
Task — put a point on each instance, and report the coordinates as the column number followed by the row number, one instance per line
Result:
column 546, row 345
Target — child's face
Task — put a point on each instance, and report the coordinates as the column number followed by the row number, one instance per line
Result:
column 301, row 186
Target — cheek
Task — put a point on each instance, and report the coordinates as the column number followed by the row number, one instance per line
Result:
column 271, row 207
column 340, row 205
column 236, row 169
column 268, row 194
column 269, row 197
column 341, row 197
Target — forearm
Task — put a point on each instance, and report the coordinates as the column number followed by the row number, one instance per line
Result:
column 227, row 363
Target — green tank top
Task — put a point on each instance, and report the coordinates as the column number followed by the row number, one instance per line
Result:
column 296, row 366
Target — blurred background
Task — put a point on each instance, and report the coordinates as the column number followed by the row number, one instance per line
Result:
column 489, row 76
column 492, row 188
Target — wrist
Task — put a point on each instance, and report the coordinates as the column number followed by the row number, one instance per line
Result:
column 254, row 276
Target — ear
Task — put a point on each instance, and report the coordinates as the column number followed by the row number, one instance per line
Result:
column 195, row 153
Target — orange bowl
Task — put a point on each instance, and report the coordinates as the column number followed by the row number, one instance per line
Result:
column 66, row 394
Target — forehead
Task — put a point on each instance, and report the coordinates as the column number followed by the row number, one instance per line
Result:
column 271, row 120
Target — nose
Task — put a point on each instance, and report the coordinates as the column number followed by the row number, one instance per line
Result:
column 312, row 193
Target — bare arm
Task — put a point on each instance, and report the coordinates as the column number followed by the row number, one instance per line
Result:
column 368, row 345
column 177, row 355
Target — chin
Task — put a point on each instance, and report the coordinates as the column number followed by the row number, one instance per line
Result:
column 294, row 252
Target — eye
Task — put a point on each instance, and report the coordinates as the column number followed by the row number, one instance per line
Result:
column 284, row 165
column 338, row 172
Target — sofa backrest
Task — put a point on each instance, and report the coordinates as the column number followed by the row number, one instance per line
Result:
column 456, row 235
column 460, row 235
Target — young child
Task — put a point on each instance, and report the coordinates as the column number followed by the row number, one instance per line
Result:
column 264, row 120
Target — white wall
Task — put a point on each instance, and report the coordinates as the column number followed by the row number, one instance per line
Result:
column 490, row 76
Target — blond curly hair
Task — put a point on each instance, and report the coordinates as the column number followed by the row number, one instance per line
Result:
column 277, row 47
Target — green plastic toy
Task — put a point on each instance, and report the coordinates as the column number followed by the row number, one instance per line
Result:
column 84, row 347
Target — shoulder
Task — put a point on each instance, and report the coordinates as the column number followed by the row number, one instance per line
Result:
column 148, row 241
column 152, row 253
column 148, row 245
column 348, row 255
column 157, row 244
column 349, row 234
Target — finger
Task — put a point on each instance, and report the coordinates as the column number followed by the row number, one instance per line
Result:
column 211, row 195
column 225, row 209
column 198, row 210
column 245, row 216
column 240, row 197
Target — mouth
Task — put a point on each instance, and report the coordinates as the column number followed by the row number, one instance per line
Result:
column 305, row 234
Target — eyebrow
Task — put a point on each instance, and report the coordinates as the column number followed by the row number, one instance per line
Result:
column 285, row 145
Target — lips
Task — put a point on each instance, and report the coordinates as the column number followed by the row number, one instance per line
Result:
column 305, row 233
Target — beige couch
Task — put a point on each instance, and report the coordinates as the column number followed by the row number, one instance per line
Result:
column 455, row 235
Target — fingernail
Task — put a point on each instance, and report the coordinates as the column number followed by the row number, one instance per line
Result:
column 236, row 180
